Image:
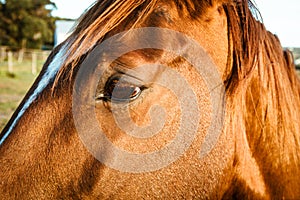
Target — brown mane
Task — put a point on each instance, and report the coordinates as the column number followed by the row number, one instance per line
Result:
column 266, row 90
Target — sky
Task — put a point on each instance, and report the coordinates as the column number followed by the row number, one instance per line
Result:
column 280, row 17
column 71, row 8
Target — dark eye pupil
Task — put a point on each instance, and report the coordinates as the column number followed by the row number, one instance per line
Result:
column 117, row 90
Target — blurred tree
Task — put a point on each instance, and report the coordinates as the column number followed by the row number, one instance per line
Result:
column 26, row 23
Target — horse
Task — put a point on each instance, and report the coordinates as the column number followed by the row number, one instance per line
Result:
column 50, row 148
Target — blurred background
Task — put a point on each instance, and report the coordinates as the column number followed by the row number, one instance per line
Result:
column 29, row 29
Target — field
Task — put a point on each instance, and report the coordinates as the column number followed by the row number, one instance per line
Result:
column 14, row 86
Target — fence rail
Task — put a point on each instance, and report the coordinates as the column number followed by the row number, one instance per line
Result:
column 12, row 58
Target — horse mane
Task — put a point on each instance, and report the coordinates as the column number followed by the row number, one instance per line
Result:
column 264, row 89
column 260, row 79
column 105, row 16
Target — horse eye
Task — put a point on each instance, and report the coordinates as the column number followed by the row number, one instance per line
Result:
column 118, row 90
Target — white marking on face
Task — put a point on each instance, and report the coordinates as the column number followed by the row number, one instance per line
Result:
column 49, row 75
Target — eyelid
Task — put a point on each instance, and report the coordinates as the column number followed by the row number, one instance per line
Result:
column 144, row 73
column 129, row 79
column 127, row 73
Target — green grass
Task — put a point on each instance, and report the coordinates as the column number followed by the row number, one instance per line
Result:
column 13, row 87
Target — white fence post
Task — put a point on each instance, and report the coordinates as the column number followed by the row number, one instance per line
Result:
column 21, row 55
column 10, row 62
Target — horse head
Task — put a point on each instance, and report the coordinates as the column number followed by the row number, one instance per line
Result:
column 159, row 99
